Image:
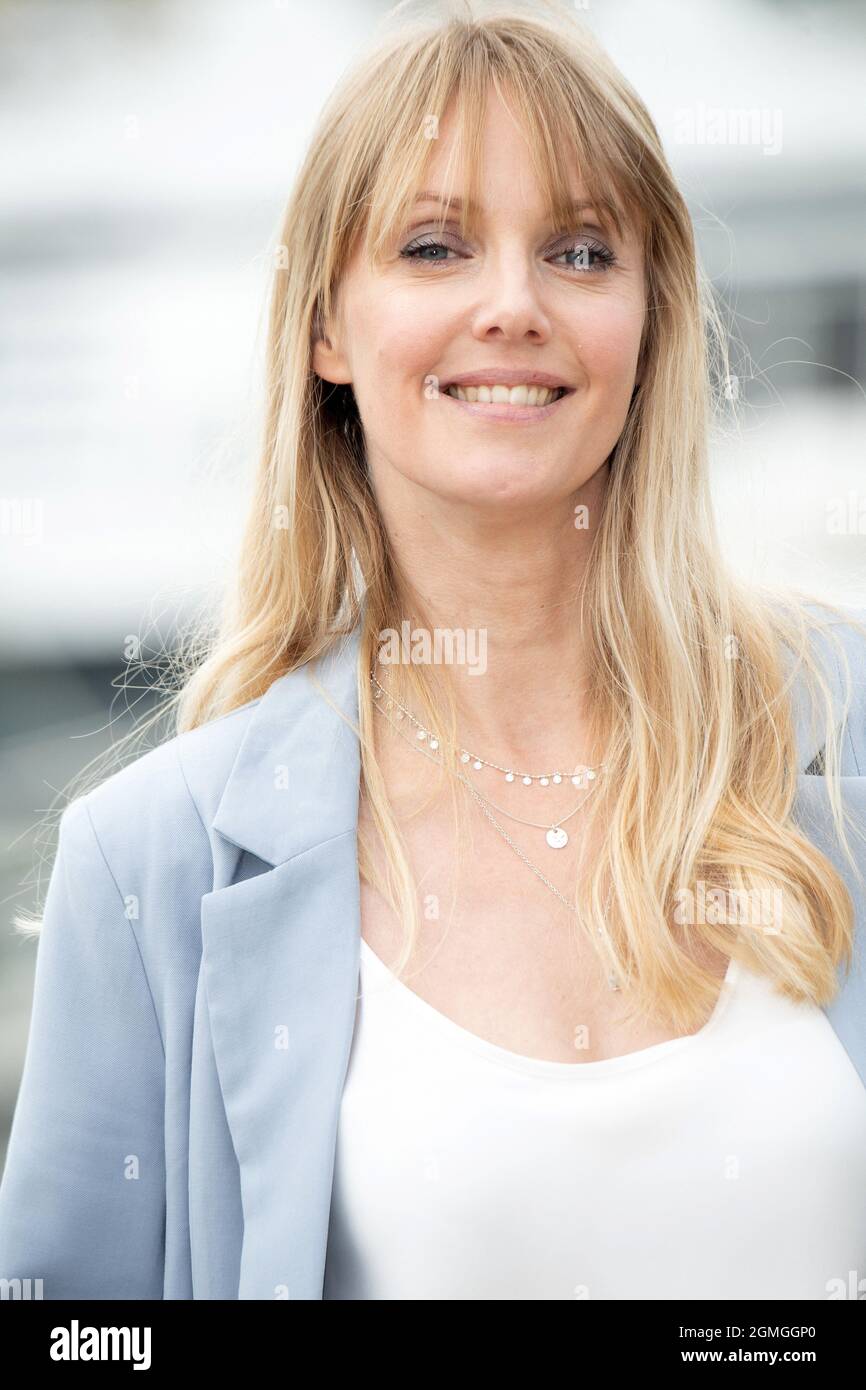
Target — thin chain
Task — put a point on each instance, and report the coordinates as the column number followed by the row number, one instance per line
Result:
column 517, row 850
column 548, row 825
column 544, row 777
column 612, row 980
column 535, row 824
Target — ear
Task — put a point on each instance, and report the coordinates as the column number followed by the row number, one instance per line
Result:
column 329, row 361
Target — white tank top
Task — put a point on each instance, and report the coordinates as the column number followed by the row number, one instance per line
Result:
column 727, row 1164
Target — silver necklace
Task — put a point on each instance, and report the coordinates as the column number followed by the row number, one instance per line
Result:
column 554, row 833
column 556, row 837
column 613, row 982
column 579, row 778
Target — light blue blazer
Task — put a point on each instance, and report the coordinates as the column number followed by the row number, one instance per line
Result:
column 196, row 978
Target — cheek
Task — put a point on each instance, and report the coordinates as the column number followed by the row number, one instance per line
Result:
column 610, row 334
column 400, row 338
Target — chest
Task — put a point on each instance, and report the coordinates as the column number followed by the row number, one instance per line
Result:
column 498, row 953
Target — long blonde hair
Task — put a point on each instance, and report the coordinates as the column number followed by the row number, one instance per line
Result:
column 692, row 673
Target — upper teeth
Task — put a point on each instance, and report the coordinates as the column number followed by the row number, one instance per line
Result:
column 505, row 395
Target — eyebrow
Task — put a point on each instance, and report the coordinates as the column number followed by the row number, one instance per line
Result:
column 431, row 196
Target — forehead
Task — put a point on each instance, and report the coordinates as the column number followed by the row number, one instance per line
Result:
column 489, row 154
column 506, row 176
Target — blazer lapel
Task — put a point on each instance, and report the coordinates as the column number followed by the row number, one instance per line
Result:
column 280, row 963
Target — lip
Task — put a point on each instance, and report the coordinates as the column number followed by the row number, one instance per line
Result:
column 500, row 376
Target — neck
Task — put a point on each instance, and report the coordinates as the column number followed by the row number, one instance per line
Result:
column 503, row 595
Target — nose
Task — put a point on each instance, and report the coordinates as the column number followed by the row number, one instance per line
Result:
column 510, row 307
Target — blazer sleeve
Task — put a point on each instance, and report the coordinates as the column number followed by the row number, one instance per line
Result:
column 82, row 1199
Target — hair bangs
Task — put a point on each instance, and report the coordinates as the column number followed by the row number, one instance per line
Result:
column 578, row 154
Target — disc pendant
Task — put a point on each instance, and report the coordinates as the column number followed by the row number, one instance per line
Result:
column 557, row 837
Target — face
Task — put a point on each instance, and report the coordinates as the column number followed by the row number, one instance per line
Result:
column 497, row 371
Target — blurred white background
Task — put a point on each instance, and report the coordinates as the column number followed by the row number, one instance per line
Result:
column 148, row 147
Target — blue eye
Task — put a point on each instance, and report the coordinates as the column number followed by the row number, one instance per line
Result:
column 414, row 250
column 584, row 250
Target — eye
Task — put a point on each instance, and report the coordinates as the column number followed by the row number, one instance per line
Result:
column 581, row 254
column 427, row 250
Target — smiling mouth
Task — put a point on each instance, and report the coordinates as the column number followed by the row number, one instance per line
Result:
column 522, row 395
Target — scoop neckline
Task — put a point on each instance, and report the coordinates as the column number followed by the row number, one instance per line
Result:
column 571, row 1072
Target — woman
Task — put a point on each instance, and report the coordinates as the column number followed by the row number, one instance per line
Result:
column 415, row 964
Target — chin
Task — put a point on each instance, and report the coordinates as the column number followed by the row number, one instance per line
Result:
column 493, row 486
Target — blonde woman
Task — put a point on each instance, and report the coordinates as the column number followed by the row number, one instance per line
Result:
column 414, row 965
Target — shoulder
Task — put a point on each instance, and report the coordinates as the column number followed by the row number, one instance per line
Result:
column 162, row 803
column 140, row 846
column 841, row 647
column 832, row 637
column 179, row 803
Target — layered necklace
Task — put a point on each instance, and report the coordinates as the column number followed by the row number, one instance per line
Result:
column 427, row 742
column 583, row 777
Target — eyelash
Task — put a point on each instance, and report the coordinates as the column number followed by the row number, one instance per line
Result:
column 597, row 248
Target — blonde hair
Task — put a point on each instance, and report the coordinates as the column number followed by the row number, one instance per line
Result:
column 698, row 739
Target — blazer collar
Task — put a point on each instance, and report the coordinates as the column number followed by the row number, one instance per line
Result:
column 295, row 779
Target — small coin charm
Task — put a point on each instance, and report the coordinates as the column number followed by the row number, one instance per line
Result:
column 556, row 837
